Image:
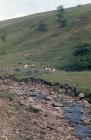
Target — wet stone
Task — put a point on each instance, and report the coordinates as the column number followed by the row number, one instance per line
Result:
column 36, row 96
column 57, row 105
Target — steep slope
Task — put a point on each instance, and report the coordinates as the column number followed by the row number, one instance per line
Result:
column 25, row 45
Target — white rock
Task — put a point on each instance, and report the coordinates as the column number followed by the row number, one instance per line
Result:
column 81, row 95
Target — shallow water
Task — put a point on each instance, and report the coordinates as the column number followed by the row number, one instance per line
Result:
column 36, row 96
column 72, row 113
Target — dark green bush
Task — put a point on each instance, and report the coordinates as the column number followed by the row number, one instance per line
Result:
column 17, row 69
column 82, row 57
column 42, row 27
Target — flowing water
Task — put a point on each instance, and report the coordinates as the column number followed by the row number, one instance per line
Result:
column 73, row 114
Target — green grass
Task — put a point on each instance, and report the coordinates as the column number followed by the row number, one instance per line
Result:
column 81, row 80
column 24, row 45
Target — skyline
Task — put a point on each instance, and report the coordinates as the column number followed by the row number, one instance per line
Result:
column 18, row 8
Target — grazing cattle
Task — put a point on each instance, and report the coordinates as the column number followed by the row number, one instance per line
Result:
column 25, row 66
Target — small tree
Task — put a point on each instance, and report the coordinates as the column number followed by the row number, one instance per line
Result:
column 60, row 10
column 42, row 27
column 61, row 17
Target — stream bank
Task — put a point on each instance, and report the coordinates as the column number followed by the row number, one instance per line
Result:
column 36, row 112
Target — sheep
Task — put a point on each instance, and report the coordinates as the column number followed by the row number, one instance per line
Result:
column 26, row 66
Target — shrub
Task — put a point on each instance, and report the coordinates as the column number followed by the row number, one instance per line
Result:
column 3, row 37
column 81, row 57
column 17, row 69
column 42, row 27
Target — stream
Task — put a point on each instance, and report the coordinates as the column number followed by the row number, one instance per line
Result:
column 73, row 114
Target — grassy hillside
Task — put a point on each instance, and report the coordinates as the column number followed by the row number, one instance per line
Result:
column 25, row 45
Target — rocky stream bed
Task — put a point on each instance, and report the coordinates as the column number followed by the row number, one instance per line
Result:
column 33, row 111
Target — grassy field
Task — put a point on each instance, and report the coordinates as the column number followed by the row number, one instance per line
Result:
column 82, row 80
column 25, row 45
